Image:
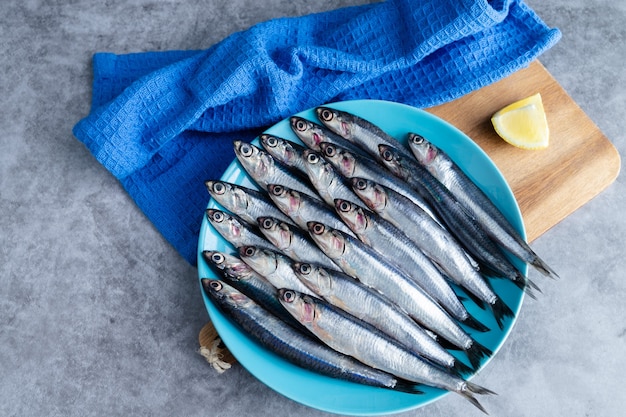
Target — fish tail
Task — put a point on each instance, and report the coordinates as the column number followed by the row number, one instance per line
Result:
column 476, row 352
column 480, row 303
column 470, row 390
column 527, row 286
column 471, row 321
column 407, row 386
column 542, row 267
column 500, row 311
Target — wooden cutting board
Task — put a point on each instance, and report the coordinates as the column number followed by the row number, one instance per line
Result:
column 548, row 184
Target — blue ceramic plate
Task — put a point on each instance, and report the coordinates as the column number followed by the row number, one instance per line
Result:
column 342, row 397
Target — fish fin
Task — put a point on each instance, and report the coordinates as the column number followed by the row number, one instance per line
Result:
column 500, row 311
column 407, row 386
column 461, row 369
column 473, row 323
column 476, row 353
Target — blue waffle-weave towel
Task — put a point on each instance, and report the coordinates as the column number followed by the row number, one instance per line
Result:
column 164, row 122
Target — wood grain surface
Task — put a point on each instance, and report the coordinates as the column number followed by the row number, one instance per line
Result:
column 548, row 184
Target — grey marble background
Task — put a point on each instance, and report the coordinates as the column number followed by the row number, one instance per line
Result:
column 100, row 316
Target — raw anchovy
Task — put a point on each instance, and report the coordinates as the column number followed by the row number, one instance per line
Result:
column 301, row 208
column 369, row 305
column 293, row 346
column 245, row 202
column 396, row 247
column 362, row 262
column 351, row 336
column 435, row 241
column 358, row 130
column 266, row 170
column 273, row 266
column 312, row 134
column 351, row 165
column 327, row 181
column 236, row 232
column 293, row 242
column 439, row 164
column 455, row 216
column 238, row 274
column 284, row 151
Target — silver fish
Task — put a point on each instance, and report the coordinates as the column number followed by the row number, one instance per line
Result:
column 362, row 262
column 264, row 169
column 369, row 305
column 245, row 202
column 327, row 181
column 284, row 151
column 435, row 241
column 346, row 334
column 301, row 208
column 273, row 266
column 293, row 242
column 358, row 130
column 292, row 345
column 312, row 134
column 469, row 233
column 442, row 167
column 236, row 232
column 239, row 274
column 396, row 247
column 351, row 165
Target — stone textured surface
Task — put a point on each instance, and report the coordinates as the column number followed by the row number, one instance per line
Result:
column 100, row 316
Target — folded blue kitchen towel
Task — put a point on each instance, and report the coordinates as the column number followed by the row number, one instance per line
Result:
column 164, row 122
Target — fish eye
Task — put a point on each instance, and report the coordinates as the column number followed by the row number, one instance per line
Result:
column 313, row 158
column 271, row 141
column 249, row 251
column 289, row 296
column 246, row 149
column 218, row 258
column 360, row 183
column 218, row 216
column 300, row 125
column 344, row 206
column 219, row 188
column 267, row 223
column 330, row 150
column 305, row 269
column 417, row 139
column 216, row 285
column 326, row 115
column 387, row 155
column 276, row 189
column 318, row 228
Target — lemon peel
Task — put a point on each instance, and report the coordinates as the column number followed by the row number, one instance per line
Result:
column 523, row 123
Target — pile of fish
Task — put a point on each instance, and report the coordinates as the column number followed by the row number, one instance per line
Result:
column 352, row 255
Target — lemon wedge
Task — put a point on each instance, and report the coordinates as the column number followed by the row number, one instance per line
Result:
column 523, row 123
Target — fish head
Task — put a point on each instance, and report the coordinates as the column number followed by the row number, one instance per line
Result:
column 340, row 158
column 224, row 294
column 314, row 277
column 227, row 225
column 390, row 157
column 372, row 194
column 279, row 148
column 307, row 131
column 329, row 240
column 302, row 307
column 316, row 167
column 337, row 121
column 229, row 196
column 353, row 215
column 228, row 264
column 287, row 200
column 261, row 260
column 255, row 161
column 424, row 151
column 276, row 231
